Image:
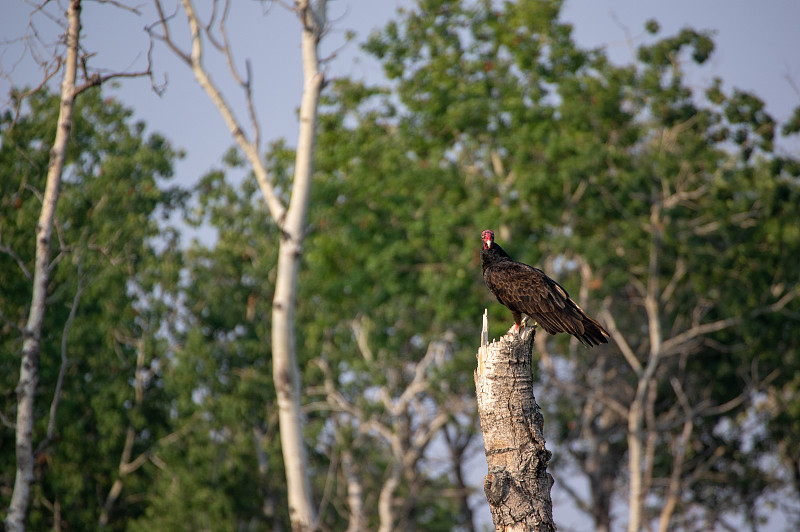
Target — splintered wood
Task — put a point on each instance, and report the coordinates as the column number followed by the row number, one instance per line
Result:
column 517, row 485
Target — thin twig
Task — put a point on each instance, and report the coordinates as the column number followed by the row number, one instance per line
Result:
column 21, row 263
column 51, row 424
column 623, row 345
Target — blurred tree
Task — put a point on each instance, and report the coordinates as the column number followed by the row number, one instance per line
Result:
column 391, row 267
column 624, row 184
column 222, row 385
column 286, row 206
column 621, row 181
column 64, row 56
column 99, row 404
column 226, row 472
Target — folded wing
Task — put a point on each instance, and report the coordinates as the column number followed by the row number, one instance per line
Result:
column 527, row 290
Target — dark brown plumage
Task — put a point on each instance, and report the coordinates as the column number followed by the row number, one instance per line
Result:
column 527, row 290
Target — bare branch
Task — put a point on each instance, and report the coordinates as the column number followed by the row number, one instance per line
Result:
column 247, row 82
column 680, row 271
column 328, row 486
column 51, row 424
column 166, row 37
column 577, row 498
column 6, row 422
column 133, row 9
column 679, row 454
column 419, row 382
column 638, row 404
column 675, row 343
column 157, row 88
column 50, row 70
column 623, row 345
column 355, row 493
column 408, row 440
column 126, row 465
column 195, row 61
column 360, row 334
column 652, row 436
column 49, row 63
column 96, row 79
column 779, row 304
column 21, row 263
column 10, row 323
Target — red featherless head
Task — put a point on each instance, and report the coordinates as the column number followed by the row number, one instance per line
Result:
column 488, row 238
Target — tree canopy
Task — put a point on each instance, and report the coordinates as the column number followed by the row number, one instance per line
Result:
column 99, row 331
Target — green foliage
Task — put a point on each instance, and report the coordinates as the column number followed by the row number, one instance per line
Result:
column 792, row 126
column 105, row 230
column 497, row 120
column 220, row 373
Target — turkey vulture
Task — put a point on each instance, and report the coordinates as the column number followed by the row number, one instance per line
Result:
column 527, row 290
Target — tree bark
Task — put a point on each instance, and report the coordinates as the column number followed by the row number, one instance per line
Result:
column 31, row 347
column 286, row 373
column 640, row 469
column 355, row 494
column 518, row 484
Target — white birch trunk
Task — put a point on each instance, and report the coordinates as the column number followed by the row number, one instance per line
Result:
column 386, row 502
column 286, row 373
column 637, row 409
column 355, row 494
column 250, row 149
column 31, row 347
column 291, row 223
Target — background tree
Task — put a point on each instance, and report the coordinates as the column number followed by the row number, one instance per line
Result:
column 31, row 347
column 288, row 212
column 98, row 337
column 40, row 275
column 226, row 471
column 223, row 381
column 560, row 136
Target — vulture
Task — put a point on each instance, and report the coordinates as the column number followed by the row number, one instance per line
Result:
column 527, row 290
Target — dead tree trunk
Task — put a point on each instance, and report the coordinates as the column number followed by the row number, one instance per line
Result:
column 518, row 484
column 31, row 347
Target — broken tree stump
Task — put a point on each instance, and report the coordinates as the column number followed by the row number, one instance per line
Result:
column 518, row 484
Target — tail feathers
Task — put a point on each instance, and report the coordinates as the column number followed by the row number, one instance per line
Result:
column 588, row 331
column 593, row 333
